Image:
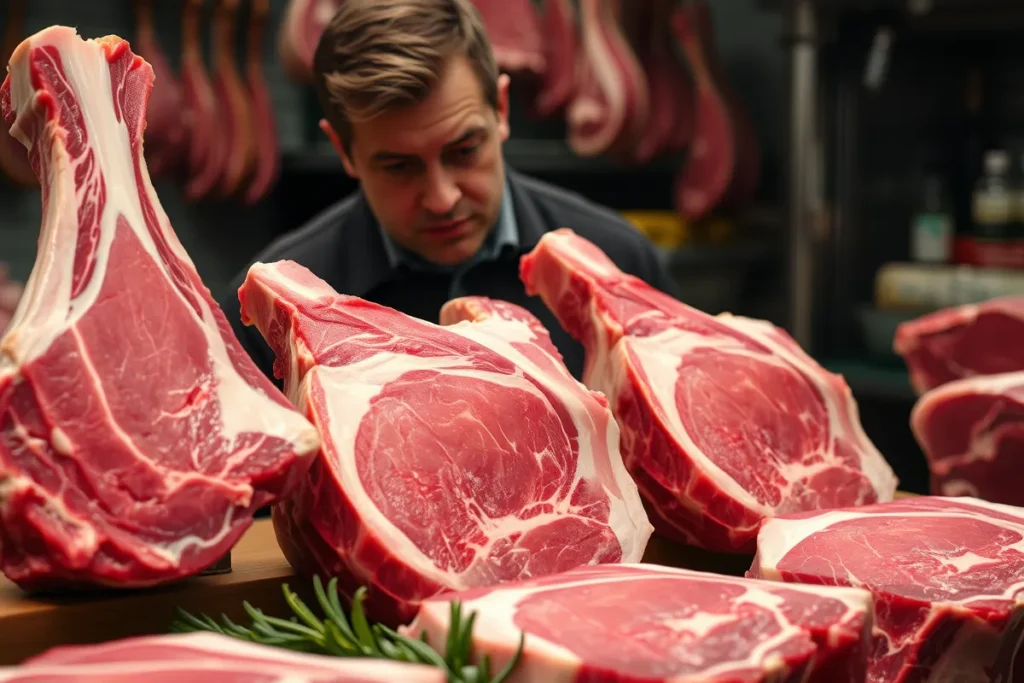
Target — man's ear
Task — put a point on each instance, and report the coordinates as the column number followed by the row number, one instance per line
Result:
column 335, row 139
column 503, row 126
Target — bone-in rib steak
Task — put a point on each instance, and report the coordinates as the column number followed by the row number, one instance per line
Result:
column 136, row 436
column 976, row 339
column 947, row 575
column 724, row 420
column 453, row 456
column 207, row 658
column 649, row 623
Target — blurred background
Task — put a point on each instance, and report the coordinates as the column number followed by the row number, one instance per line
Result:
column 836, row 167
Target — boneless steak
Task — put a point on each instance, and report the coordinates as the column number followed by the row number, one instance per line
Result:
column 206, row 658
column 136, row 436
column 724, row 420
column 453, row 456
column 975, row 339
column 947, row 575
column 641, row 622
column 972, row 434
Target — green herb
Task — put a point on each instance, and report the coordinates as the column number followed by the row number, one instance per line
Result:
column 353, row 636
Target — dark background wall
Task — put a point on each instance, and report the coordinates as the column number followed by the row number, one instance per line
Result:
column 221, row 237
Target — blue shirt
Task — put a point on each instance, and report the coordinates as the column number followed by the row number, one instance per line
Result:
column 505, row 234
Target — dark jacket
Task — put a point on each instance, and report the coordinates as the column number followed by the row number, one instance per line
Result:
column 343, row 246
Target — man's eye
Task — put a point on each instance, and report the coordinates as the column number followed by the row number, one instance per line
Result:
column 398, row 168
column 466, row 153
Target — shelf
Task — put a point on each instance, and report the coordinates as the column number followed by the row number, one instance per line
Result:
column 873, row 380
column 528, row 156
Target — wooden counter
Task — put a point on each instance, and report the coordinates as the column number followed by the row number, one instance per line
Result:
column 30, row 625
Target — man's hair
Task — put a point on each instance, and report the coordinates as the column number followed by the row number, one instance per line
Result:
column 378, row 55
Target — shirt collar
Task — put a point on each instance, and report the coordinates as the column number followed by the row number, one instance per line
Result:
column 504, row 235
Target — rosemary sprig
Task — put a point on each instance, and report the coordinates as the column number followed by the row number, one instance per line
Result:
column 353, row 635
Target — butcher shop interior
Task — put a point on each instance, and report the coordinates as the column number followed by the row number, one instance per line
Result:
column 424, row 340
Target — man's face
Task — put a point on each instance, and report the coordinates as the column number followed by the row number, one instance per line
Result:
column 432, row 172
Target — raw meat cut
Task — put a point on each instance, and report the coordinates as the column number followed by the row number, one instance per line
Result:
column 137, row 438
column 513, row 28
column 747, row 174
column 453, row 456
column 165, row 141
column 13, row 158
column 722, row 166
column 609, row 111
column 972, row 434
column 205, row 129
column 724, row 420
column 206, row 658
column 560, row 41
column 976, row 339
column 947, row 575
column 238, row 147
column 649, row 623
column 304, row 21
column 267, row 160
column 670, row 124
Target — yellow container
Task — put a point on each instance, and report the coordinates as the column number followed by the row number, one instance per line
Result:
column 666, row 229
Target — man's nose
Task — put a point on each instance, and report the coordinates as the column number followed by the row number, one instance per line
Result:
column 441, row 193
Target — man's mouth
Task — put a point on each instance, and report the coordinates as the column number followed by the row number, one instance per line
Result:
column 446, row 229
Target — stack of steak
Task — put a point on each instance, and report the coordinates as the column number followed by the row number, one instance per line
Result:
column 968, row 367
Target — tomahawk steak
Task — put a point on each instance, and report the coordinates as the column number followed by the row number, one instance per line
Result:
column 137, row 438
column 972, row 434
column 975, row 339
column 648, row 623
column 724, row 420
column 609, row 110
column 453, row 456
column 206, row 658
column 947, row 575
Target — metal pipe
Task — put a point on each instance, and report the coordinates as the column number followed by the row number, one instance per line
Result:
column 803, row 180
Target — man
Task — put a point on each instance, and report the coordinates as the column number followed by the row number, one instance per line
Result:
column 417, row 110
